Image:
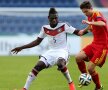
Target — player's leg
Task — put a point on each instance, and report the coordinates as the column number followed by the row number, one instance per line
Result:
column 33, row 74
column 94, row 74
column 85, row 55
column 80, row 58
column 61, row 63
column 97, row 60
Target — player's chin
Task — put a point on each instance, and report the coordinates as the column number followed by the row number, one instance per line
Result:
column 54, row 23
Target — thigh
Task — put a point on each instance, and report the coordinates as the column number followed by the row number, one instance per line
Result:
column 99, row 57
column 88, row 50
column 62, row 54
column 81, row 56
column 47, row 58
column 52, row 56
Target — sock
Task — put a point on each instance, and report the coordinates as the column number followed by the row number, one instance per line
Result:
column 30, row 78
column 34, row 72
column 82, row 67
column 66, row 74
column 95, row 78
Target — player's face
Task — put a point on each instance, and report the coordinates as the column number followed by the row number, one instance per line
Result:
column 87, row 12
column 53, row 19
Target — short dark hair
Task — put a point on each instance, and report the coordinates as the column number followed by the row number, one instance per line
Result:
column 52, row 11
column 86, row 5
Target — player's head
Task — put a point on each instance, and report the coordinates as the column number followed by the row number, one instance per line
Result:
column 53, row 17
column 86, row 8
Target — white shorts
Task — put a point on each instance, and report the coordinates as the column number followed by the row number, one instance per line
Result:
column 51, row 57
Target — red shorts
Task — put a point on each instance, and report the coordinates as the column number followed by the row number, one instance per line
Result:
column 96, row 53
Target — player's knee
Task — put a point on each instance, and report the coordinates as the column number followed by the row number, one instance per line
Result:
column 61, row 63
column 90, row 70
column 78, row 58
column 39, row 67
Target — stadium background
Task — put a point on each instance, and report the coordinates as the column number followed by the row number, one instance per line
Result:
column 23, row 19
column 20, row 23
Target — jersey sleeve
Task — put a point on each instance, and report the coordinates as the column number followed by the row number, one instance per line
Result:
column 69, row 28
column 98, row 17
column 42, row 33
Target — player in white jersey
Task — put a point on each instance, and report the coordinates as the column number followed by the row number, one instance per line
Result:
column 58, row 52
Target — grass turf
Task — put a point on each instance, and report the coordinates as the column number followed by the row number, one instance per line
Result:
column 14, row 71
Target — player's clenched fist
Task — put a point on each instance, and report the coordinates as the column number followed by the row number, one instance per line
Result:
column 86, row 22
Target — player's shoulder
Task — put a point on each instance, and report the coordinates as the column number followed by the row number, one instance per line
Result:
column 60, row 23
column 46, row 26
column 97, row 13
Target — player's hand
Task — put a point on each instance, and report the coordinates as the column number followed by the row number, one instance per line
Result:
column 81, row 32
column 16, row 50
column 86, row 22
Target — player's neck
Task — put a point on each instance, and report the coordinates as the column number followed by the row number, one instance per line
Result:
column 53, row 25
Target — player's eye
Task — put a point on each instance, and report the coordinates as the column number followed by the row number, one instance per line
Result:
column 54, row 17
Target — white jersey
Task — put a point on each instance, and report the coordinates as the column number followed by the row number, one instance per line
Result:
column 57, row 37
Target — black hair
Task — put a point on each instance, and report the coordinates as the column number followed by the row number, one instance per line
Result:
column 86, row 5
column 52, row 11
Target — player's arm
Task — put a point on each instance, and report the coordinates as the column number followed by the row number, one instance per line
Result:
column 80, row 32
column 30, row 45
column 87, row 28
column 72, row 30
column 36, row 42
column 97, row 23
column 83, row 31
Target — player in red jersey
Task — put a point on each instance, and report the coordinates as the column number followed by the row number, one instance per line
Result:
column 107, row 41
column 94, row 53
column 56, row 32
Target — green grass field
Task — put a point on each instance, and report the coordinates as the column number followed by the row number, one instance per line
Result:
column 14, row 71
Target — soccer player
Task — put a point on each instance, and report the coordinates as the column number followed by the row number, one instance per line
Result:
column 57, row 54
column 94, row 53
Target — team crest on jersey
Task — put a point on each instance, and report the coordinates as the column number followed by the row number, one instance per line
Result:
column 59, row 30
column 47, row 32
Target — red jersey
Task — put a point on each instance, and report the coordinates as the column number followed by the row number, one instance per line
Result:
column 107, row 37
column 99, row 32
